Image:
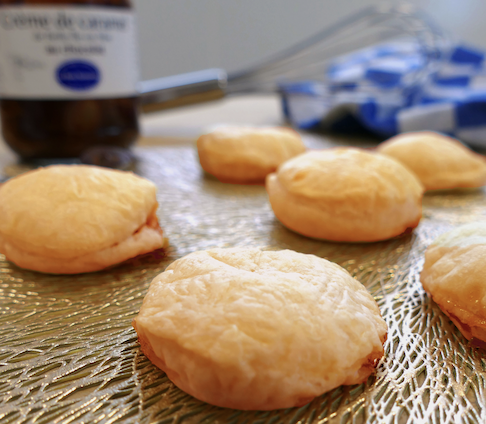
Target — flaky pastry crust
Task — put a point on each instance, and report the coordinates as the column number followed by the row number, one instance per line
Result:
column 75, row 218
column 251, row 329
column 345, row 194
column 144, row 240
column 247, row 154
column 440, row 162
column 453, row 274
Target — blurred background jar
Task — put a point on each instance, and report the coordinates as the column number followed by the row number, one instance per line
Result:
column 68, row 76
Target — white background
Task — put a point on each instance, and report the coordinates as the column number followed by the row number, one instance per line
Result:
column 177, row 36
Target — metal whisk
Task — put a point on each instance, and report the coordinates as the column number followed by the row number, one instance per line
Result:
column 307, row 60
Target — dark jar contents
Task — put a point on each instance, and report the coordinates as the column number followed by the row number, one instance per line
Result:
column 65, row 128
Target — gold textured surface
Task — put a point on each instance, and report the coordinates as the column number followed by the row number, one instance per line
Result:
column 68, row 353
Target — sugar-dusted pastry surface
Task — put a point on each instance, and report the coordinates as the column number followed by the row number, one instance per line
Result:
column 247, row 154
column 75, row 218
column 252, row 329
column 440, row 162
column 345, row 194
column 454, row 275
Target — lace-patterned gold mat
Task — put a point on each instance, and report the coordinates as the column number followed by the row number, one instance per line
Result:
column 68, row 353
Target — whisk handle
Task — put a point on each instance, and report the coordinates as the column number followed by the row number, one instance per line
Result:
column 182, row 89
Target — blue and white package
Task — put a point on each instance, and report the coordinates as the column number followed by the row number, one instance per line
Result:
column 394, row 88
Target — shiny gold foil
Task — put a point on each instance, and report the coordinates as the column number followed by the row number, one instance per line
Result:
column 68, row 352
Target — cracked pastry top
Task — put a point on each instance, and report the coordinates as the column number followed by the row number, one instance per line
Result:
column 250, row 329
column 67, row 219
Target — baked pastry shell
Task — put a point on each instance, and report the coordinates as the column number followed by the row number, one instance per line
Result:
column 440, row 162
column 238, row 358
column 67, row 219
column 246, row 155
column 454, row 278
column 366, row 208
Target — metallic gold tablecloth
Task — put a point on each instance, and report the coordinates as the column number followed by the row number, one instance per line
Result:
column 68, row 352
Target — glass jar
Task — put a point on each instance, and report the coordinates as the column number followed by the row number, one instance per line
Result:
column 68, row 76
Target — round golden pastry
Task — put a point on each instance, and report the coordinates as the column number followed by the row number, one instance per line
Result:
column 259, row 330
column 440, row 162
column 453, row 274
column 247, row 154
column 345, row 194
column 68, row 219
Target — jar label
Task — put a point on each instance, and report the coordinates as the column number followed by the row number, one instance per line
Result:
column 67, row 52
